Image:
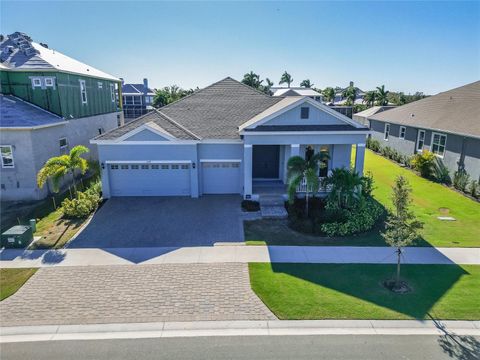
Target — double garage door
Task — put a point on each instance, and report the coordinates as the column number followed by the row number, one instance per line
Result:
column 173, row 179
column 165, row 179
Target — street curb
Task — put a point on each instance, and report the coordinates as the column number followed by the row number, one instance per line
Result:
column 237, row 328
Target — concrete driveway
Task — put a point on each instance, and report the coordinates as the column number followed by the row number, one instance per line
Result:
column 127, row 222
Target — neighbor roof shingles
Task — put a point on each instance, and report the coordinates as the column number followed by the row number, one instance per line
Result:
column 456, row 111
column 16, row 113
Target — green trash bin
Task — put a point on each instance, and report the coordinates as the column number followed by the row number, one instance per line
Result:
column 19, row 236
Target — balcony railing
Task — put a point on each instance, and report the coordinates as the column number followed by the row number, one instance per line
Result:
column 303, row 186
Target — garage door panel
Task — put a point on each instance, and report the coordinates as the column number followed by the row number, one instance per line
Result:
column 149, row 179
column 221, row 177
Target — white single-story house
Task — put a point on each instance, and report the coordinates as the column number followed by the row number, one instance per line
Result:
column 222, row 140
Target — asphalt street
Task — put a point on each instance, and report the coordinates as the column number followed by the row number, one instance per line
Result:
column 330, row 347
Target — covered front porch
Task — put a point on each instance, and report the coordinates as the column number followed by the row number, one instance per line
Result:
column 265, row 165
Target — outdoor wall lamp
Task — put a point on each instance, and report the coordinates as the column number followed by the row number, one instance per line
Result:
column 193, row 165
column 103, row 166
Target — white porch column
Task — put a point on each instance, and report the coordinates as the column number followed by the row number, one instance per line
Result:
column 294, row 150
column 247, row 171
column 359, row 158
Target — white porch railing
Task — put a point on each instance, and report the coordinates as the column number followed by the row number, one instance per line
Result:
column 303, row 186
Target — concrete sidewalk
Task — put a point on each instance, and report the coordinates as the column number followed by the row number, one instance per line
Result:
column 237, row 328
column 236, row 254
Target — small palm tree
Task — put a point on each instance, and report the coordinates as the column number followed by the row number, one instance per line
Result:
column 369, row 98
column 299, row 169
column 346, row 187
column 286, row 79
column 56, row 168
column 382, row 95
column 329, row 94
column 306, row 84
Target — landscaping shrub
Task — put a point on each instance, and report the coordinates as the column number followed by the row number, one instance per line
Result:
column 461, row 180
column 442, row 175
column 367, row 184
column 250, row 206
column 359, row 219
column 424, row 163
column 373, row 145
column 474, row 189
column 84, row 203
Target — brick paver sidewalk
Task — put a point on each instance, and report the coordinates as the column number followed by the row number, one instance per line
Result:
column 135, row 293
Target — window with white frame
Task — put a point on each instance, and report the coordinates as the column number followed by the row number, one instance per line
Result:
column 7, row 156
column 438, row 144
column 114, row 167
column 304, row 112
column 100, row 85
column 403, row 130
column 112, row 92
column 83, row 91
column 387, row 132
column 420, row 140
column 49, row 82
column 63, row 143
column 36, row 82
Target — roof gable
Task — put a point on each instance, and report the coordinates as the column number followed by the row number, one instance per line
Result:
column 147, row 132
column 287, row 113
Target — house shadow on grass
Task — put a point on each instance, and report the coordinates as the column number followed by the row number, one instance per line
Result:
column 363, row 283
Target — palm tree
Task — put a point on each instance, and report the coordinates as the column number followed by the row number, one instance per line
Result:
column 346, row 186
column 382, row 95
column 329, row 94
column 306, row 84
column 286, row 78
column 56, row 168
column 299, row 169
column 267, row 88
column 369, row 98
column 350, row 93
column 252, row 79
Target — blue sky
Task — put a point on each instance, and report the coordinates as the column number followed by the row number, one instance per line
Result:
column 408, row 46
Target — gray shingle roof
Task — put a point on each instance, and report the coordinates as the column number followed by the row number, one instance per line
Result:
column 153, row 116
column 18, row 113
column 456, row 111
column 217, row 111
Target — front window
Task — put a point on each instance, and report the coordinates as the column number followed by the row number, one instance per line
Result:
column 100, row 85
column 112, row 92
column 403, row 130
column 83, row 91
column 7, row 156
column 36, row 82
column 63, row 143
column 50, row 82
column 304, row 112
column 420, row 140
column 137, row 100
column 387, row 132
column 438, row 144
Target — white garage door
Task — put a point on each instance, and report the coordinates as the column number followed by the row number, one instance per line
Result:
column 222, row 177
column 170, row 179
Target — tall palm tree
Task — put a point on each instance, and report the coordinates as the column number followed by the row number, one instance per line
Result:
column 299, row 169
column 369, row 98
column 286, row 79
column 350, row 93
column 56, row 168
column 329, row 94
column 252, row 79
column 382, row 95
column 306, row 84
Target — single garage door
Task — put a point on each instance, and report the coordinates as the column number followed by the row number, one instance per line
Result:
column 222, row 177
column 162, row 179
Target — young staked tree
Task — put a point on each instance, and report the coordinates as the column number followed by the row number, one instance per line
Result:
column 298, row 169
column 56, row 168
column 402, row 227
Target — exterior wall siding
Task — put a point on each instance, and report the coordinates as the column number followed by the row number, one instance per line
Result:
column 32, row 148
column 453, row 150
column 65, row 98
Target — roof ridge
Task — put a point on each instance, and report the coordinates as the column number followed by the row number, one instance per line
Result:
column 177, row 124
column 248, row 86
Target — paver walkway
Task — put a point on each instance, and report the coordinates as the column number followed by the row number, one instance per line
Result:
column 236, row 254
column 143, row 293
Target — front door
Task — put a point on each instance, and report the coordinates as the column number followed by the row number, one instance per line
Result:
column 266, row 161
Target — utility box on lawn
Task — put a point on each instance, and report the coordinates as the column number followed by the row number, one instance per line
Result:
column 19, row 236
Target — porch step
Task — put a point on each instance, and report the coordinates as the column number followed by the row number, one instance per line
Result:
column 271, row 200
column 273, row 212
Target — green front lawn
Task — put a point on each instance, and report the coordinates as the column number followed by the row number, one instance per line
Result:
column 354, row 291
column 430, row 200
column 13, row 279
column 55, row 231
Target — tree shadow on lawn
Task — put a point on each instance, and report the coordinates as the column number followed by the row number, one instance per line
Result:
column 461, row 347
column 429, row 283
